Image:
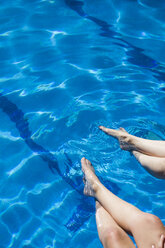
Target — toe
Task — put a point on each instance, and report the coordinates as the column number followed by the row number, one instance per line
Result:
column 88, row 162
column 104, row 129
column 122, row 129
column 83, row 161
column 90, row 166
column 109, row 131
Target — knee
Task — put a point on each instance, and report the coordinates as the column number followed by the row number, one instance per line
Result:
column 152, row 220
column 111, row 236
column 149, row 221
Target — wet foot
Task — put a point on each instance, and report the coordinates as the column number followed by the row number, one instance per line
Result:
column 125, row 139
column 91, row 181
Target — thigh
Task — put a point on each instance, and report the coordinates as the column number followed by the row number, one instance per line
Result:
column 110, row 233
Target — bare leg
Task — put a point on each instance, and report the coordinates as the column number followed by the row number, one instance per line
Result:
column 145, row 228
column 149, row 153
column 130, row 142
column 110, row 234
column 154, row 165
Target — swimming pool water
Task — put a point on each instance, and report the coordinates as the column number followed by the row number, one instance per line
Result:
column 66, row 67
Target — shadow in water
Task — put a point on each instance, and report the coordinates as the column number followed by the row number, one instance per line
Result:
column 134, row 54
column 86, row 207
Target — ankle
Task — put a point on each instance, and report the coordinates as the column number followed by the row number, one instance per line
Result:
column 97, row 186
column 135, row 142
column 131, row 140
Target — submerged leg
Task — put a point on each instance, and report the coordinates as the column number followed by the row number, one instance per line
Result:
column 110, row 234
column 130, row 142
column 145, row 228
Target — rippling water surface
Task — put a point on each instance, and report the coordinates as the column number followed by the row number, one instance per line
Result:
column 66, row 67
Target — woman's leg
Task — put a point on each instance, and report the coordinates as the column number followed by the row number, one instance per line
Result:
column 110, row 234
column 154, row 165
column 145, row 228
column 130, row 142
column 149, row 153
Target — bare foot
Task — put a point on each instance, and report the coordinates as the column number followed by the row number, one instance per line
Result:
column 125, row 139
column 90, row 179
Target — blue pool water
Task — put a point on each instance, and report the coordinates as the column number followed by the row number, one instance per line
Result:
column 66, row 67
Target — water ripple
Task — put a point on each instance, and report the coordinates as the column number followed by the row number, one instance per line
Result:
column 67, row 67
